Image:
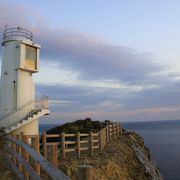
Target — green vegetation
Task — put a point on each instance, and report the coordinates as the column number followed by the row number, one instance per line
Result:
column 82, row 126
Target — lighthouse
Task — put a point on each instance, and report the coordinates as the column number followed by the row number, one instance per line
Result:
column 20, row 109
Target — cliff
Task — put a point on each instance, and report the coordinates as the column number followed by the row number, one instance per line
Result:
column 127, row 158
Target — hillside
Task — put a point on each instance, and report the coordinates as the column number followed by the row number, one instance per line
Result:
column 127, row 158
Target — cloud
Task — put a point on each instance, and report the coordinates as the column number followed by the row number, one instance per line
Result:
column 99, row 79
column 105, row 103
column 161, row 113
column 95, row 59
column 91, row 57
column 120, row 99
column 14, row 16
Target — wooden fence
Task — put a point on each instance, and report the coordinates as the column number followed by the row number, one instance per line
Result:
column 27, row 162
column 80, row 142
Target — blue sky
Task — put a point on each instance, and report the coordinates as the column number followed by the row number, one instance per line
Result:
column 114, row 60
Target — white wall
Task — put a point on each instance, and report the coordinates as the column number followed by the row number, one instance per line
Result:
column 31, row 128
column 25, row 87
column 8, row 75
column 13, row 95
column 16, row 85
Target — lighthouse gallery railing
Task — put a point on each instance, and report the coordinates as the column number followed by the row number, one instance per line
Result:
column 11, row 33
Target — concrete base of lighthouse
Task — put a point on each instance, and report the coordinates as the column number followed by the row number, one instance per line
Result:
column 32, row 128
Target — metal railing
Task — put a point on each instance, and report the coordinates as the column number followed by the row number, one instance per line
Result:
column 24, row 111
column 11, row 33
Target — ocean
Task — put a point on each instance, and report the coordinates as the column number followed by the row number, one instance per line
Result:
column 163, row 140
column 45, row 127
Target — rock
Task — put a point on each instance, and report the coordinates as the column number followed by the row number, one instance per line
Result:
column 149, row 164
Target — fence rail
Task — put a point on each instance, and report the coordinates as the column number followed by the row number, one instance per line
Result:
column 27, row 162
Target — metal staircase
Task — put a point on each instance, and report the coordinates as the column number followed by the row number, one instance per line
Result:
column 24, row 114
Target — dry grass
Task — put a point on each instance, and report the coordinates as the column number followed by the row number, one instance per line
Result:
column 6, row 173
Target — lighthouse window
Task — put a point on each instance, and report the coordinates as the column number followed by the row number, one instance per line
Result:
column 30, row 62
column 31, row 53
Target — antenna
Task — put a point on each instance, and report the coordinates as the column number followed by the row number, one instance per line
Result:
column 5, row 27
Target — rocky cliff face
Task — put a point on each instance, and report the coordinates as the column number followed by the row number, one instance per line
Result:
column 127, row 158
column 144, row 157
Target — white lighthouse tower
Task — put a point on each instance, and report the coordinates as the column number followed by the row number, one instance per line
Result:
column 19, row 109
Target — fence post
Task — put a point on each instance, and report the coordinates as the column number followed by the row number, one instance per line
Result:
column 100, row 140
column 44, row 144
column 120, row 126
column 78, row 144
column 25, row 154
column 13, row 145
column 114, row 125
column 109, row 128
column 107, row 134
column 55, row 155
column 63, row 144
column 19, row 151
column 117, row 130
column 114, row 135
column 35, row 145
column 85, row 172
column 91, row 143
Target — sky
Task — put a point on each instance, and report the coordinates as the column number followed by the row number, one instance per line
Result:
column 116, row 60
